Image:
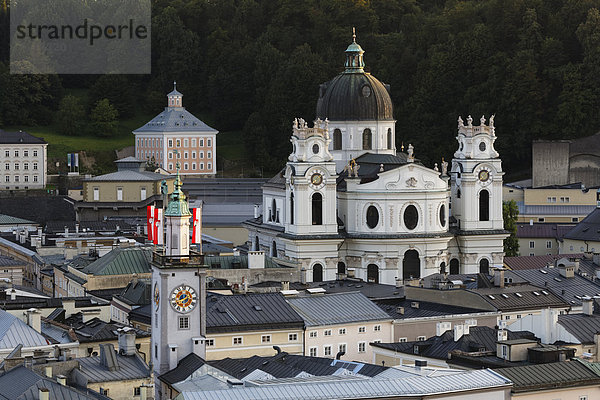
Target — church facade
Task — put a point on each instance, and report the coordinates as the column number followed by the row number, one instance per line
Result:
column 349, row 204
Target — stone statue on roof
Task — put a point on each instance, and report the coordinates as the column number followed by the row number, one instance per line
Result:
column 469, row 121
column 410, row 153
column 482, row 120
column 461, row 123
column 352, row 169
column 444, row 167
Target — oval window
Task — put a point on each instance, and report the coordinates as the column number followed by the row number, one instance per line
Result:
column 372, row 217
column 316, row 148
column 482, row 146
column 411, row 217
column 366, row 91
column 443, row 215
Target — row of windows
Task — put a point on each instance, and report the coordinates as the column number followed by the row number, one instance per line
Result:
column 314, row 351
column 17, row 178
column 17, row 166
column 18, row 154
column 548, row 244
column 552, row 199
column 342, row 331
column 367, row 139
column 410, row 217
column 186, row 166
column 186, row 154
column 186, row 143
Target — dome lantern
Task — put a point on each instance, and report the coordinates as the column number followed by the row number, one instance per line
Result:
column 354, row 56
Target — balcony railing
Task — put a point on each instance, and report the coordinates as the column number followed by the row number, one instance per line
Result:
column 193, row 258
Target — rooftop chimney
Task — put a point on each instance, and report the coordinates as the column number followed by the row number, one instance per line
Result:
column 44, row 394
column 459, row 331
column 256, row 259
column 420, row 364
column 588, row 305
column 48, row 371
column 339, row 355
column 61, row 379
column 126, row 341
column 13, row 294
column 34, row 319
column 502, row 335
column 256, row 211
column 499, row 277
column 285, row 285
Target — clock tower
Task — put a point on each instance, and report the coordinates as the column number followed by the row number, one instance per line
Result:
column 476, row 182
column 178, row 282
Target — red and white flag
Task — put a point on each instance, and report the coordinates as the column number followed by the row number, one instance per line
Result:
column 150, row 221
column 158, row 223
column 197, row 232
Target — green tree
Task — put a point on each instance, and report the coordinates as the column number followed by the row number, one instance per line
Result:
column 70, row 116
column 104, row 119
column 510, row 212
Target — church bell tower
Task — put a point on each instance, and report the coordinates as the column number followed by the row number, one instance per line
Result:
column 178, row 281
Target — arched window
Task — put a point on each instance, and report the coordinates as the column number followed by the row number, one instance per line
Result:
column 341, row 268
column 411, row 265
column 274, row 211
column 454, row 267
column 317, row 209
column 317, row 273
column 484, row 266
column 390, row 139
column 411, row 217
column 337, row 139
column 443, row 268
column 256, row 244
column 372, row 217
column 274, row 249
column 458, row 194
column 373, row 273
column 484, row 205
column 292, row 208
column 367, row 139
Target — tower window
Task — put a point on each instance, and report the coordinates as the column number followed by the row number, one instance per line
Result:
column 315, row 149
column 390, row 139
column 443, row 215
column 317, row 209
column 372, row 217
column 292, row 208
column 317, row 273
column 484, row 266
column 482, row 146
column 367, row 139
column 373, row 273
column 184, row 323
column 484, row 205
column 337, row 139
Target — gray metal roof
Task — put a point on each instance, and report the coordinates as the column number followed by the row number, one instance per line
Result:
column 536, row 262
column 19, row 138
column 588, row 229
column 554, row 209
column 250, row 311
column 128, row 175
column 582, row 326
column 551, row 231
column 532, row 378
column 13, row 331
column 129, row 367
column 10, row 220
column 175, row 119
column 569, row 289
column 6, row 261
column 23, row 384
column 507, row 299
column 360, row 388
column 339, row 308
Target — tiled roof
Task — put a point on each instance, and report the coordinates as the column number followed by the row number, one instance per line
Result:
column 136, row 292
column 13, row 332
column 550, row 231
column 19, row 137
column 480, row 338
column 121, row 261
column 10, row 220
column 175, row 119
column 340, row 308
column 588, row 229
column 6, row 261
column 520, row 297
column 97, row 330
column 249, row 312
column 536, row 262
column 141, row 314
column 569, row 289
column 563, row 374
column 582, row 326
column 23, row 384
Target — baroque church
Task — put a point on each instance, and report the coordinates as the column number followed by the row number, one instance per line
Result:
column 349, row 204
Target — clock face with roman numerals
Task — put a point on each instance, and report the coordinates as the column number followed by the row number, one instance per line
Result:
column 183, row 298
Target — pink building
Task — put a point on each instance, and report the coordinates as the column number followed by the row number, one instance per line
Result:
column 176, row 135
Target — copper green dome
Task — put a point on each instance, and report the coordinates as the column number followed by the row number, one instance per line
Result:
column 355, row 95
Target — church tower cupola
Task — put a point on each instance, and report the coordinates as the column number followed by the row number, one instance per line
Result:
column 177, row 222
column 175, row 99
column 354, row 56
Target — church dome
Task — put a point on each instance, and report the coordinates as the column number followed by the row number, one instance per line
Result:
column 354, row 94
